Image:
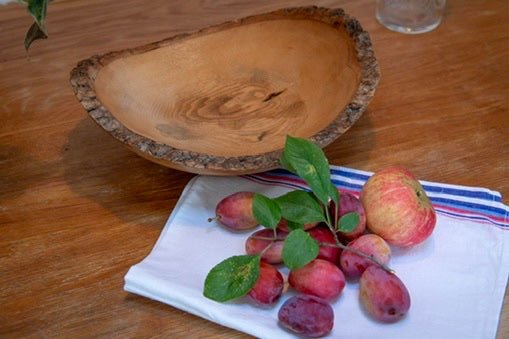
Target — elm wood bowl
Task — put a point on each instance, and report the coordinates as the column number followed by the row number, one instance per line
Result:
column 221, row 100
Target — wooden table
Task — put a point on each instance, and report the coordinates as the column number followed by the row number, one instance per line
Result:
column 77, row 209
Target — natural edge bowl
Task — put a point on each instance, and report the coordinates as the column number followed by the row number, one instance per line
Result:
column 131, row 93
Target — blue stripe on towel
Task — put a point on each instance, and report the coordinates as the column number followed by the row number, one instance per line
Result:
column 451, row 201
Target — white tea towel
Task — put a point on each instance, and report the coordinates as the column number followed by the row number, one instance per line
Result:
column 456, row 278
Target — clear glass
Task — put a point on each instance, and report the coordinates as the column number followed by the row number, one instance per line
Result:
column 410, row 16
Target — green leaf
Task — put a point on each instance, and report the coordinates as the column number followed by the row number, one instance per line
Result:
column 299, row 249
column 334, row 193
column 232, row 278
column 294, row 225
column 300, row 207
column 286, row 164
column 38, row 9
column 348, row 222
column 34, row 33
column 266, row 211
column 310, row 163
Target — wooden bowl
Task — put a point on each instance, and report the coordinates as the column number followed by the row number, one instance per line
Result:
column 222, row 100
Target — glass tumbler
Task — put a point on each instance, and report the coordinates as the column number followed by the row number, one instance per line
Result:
column 410, row 16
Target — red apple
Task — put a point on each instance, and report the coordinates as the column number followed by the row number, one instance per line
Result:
column 397, row 208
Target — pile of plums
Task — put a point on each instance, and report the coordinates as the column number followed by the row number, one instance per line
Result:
column 319, row 283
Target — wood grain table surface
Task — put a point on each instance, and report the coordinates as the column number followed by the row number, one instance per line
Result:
column 77, row 208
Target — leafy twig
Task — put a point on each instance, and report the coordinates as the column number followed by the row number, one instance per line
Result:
column 298, row 208
column 338, row 244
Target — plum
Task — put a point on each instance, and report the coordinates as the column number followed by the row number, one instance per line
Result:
column 235, row 211
column 255, row 245
column 383, row 295
column 307, row 315
column 354, row 265
column 322, row 234
column 269, row 286
column 350, row 203
column 320, row 278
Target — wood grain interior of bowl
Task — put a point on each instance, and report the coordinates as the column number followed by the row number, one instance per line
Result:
column 221, row 100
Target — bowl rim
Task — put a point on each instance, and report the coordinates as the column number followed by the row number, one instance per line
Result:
column 82, row 79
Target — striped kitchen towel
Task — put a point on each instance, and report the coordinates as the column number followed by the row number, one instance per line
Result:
column 456, row 278
column 471, row 203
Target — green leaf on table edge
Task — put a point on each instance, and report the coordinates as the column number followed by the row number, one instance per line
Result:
column 348, row 222
column 299, row 249
column 309, row 163
column 232, row 278
column 266, row 211
column 300, row 207
column 38, row 10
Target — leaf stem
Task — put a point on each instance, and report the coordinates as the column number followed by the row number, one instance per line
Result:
column 336, row 215
column 275, row 238
column 327, row 216
column 262, row 252
column 272, row 241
